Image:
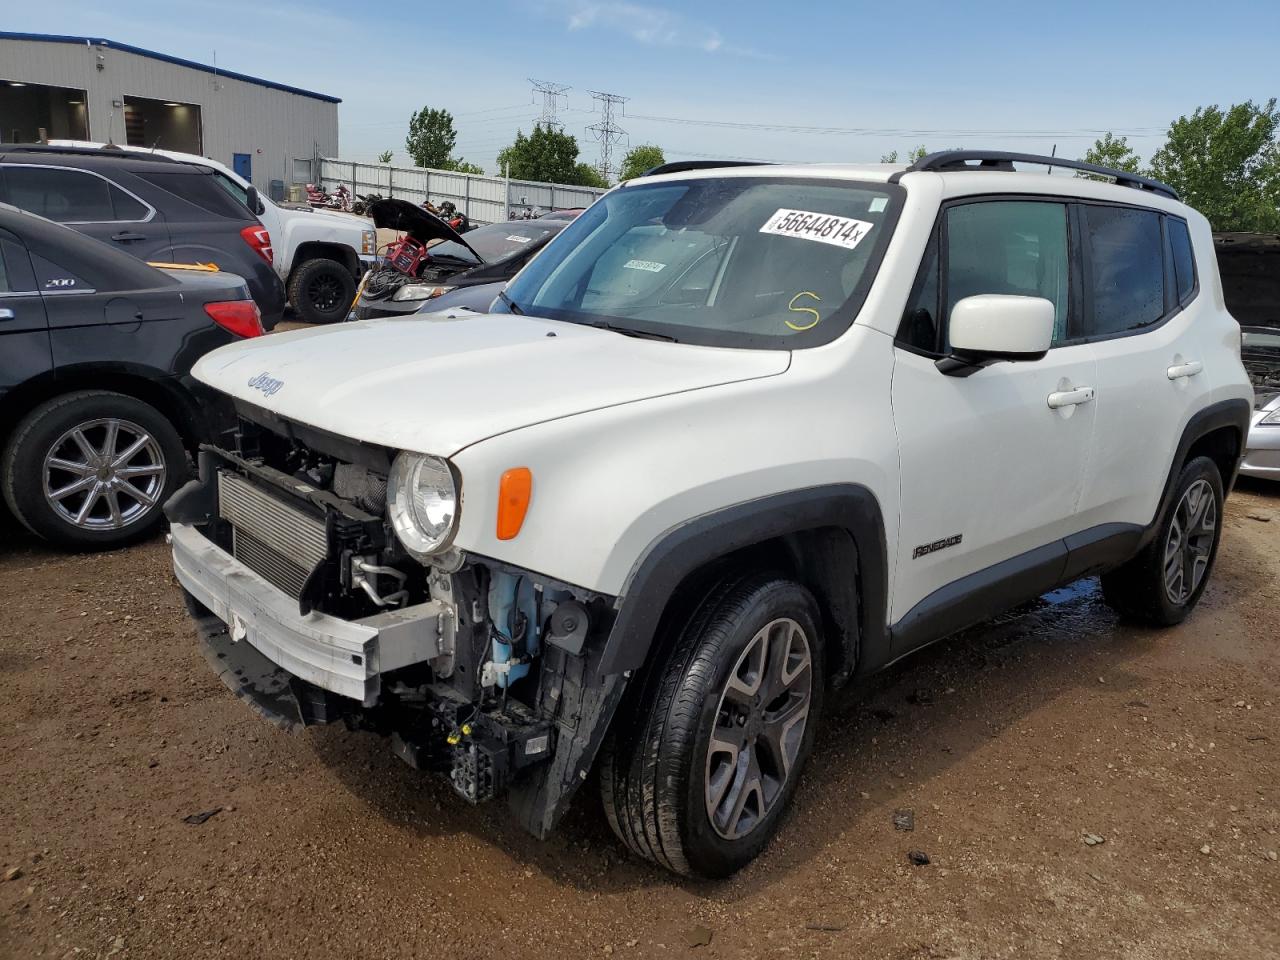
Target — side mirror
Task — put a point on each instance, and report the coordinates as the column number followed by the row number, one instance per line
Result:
column 991, row 327
column 254, row 201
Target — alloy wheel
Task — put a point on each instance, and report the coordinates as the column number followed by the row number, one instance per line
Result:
column 759, row 728
column 324, row 292
column 1189, row 545
column 104, row 474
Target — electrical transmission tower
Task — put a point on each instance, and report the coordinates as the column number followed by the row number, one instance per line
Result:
column 606, row 131
column 551, row 94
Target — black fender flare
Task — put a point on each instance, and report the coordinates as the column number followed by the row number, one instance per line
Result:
column 1225, row 413
column 686, row 548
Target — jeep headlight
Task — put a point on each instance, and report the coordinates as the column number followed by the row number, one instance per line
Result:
column 422, row 502
column 419, row 291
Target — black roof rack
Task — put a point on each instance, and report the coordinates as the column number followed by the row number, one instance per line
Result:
column 680, row 166
column 106, row 150
column 946, row 161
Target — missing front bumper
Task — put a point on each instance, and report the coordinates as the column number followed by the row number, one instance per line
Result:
column 346, row 657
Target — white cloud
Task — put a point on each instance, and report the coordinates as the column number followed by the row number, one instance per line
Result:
column 649, row 25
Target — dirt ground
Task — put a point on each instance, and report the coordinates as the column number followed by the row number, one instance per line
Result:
column 1010, row 743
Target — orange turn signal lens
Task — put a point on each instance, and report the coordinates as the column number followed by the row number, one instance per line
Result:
column 513, row 501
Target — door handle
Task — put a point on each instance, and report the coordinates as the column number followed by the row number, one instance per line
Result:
column 125, row 237
column 6, row 313
column 1188, row 369
column 1070, row 398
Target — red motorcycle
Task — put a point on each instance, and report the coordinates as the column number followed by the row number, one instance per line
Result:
column 340, row 199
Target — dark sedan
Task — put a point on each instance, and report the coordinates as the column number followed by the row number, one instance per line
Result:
column 99, row 416
column 433, row 260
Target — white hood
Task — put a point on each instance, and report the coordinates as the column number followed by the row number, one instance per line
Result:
column 436, row 384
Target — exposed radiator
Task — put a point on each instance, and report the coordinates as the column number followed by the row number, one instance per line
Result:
column 275, row 540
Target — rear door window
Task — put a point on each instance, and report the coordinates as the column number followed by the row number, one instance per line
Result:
column 1126, row 269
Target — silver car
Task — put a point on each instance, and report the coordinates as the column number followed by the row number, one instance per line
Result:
column 1260, row 350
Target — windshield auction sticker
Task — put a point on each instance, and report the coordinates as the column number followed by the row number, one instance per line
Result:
column 823, row 227
column 650, row 265
column 514, row 238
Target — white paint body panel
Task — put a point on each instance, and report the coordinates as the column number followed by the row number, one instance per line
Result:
column 434, row 384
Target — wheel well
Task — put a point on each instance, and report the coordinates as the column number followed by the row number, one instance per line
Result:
column 1222, row 446
column 23, row 399
column 320, row 250
column 824, row 560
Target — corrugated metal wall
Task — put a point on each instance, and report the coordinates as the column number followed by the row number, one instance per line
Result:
column 272, row 126
column 483, row 199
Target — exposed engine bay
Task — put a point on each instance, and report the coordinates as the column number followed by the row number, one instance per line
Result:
column 479, row 671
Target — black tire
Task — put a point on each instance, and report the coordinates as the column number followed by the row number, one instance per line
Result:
column 322, row 290
column 655, row 772
column 38, row 435
column 1138, row 590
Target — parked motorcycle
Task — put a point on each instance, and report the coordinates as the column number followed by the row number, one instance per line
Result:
column 363, row 200
column 340, row 199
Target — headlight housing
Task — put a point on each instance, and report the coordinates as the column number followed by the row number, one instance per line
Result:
column 422, row 503
column 1271, row 419
column 368, row 243
column 419, row 291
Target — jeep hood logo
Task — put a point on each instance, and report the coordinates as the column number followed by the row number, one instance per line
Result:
column 266, row 383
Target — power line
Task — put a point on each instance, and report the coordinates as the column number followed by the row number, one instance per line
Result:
column 551, row 95
column 605, row 131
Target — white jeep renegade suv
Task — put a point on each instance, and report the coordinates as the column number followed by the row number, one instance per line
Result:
column 742, row 433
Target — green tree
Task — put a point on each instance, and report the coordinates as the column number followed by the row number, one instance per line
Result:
column 912, row 155
column 547, row 154
column 585, row 175
column 1113, row 152
column 1226, row 164
column 639, row 159
column 431, row 137
column 384, row 156
column 462, row 166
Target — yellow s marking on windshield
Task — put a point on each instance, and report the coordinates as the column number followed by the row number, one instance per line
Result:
column 794, row 309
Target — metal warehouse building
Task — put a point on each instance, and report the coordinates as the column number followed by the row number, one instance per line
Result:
column 88, row 88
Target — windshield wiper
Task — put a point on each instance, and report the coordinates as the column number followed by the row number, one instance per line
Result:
column 511, row 304
column 633, row 332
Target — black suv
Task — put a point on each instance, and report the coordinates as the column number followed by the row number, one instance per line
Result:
column 151, row 207
column 98, row 411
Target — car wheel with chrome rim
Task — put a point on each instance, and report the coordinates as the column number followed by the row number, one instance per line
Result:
column 728, row 718
column 92, row 469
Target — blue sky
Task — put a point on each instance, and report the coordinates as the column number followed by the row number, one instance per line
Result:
column 876, row 77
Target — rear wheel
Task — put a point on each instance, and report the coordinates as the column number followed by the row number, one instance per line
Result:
column 1163, row 583
column 700, row 783
column 92, row 469
column 321, row 291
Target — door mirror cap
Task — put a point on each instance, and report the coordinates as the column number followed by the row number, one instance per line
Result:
column 991, row 326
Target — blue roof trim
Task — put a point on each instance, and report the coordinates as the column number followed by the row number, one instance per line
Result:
column 127, row 48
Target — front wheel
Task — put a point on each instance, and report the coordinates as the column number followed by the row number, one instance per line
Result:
column 1163, row 583
column 699, row 783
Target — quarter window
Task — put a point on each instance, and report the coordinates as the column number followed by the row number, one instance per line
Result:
column 1126, row 260
column 1184, row 264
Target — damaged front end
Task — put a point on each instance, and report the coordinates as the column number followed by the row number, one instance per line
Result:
column 312, row 609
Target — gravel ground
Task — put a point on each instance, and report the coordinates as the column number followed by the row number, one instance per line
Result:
column 1014, row 745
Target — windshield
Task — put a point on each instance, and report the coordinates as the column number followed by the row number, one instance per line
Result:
column 497, row 241
column 727, row 261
